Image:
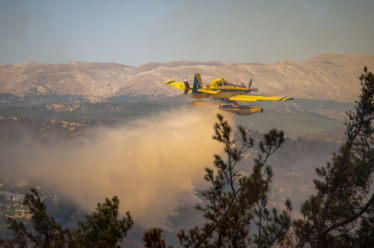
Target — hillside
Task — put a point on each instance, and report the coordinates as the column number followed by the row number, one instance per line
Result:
column 328, row 76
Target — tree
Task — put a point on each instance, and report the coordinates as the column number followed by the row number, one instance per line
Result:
column 342, row 211
column 153, row 239
column 235, row 200
column 101, row 228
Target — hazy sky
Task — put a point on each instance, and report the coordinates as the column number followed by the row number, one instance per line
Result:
column 137, row 32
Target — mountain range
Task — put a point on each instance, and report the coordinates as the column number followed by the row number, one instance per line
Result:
column 327, row 76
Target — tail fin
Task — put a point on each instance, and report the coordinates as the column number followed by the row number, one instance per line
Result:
column 197, row 83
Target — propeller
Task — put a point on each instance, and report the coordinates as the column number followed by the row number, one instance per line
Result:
column 249, row 86
column 187, row 87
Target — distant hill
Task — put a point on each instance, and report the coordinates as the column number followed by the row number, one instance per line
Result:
column 328, row 76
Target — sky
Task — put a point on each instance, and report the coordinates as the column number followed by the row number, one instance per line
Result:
column 141, row 31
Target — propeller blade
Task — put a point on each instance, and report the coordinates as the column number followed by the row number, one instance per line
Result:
column 187, row 87
column 250, row 83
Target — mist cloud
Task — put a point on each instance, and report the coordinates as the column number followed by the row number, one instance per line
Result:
column 153, row 165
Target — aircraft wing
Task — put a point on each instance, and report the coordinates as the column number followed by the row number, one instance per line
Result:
column 249, row 98
column 176, row 84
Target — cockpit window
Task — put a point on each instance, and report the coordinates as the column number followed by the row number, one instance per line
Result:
column 224, row 83
column 219, row 83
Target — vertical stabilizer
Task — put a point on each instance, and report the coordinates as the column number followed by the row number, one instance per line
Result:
column 197, row 83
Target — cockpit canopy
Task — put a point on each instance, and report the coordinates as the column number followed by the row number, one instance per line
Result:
column 219, row 82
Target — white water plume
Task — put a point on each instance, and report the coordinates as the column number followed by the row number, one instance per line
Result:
column 153, row 165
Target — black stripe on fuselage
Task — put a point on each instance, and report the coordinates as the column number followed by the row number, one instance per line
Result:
column 237, row 107
column 228, row 90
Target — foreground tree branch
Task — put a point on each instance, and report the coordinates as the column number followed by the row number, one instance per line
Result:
column 234, row 201
column 100, row 229
column 341, row 213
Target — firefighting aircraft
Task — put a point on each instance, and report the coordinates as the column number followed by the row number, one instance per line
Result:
column 220, row 89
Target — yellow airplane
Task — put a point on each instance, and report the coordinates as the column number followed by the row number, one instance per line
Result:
column 220, row 89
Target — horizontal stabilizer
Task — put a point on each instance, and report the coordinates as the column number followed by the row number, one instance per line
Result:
column 176, row 84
